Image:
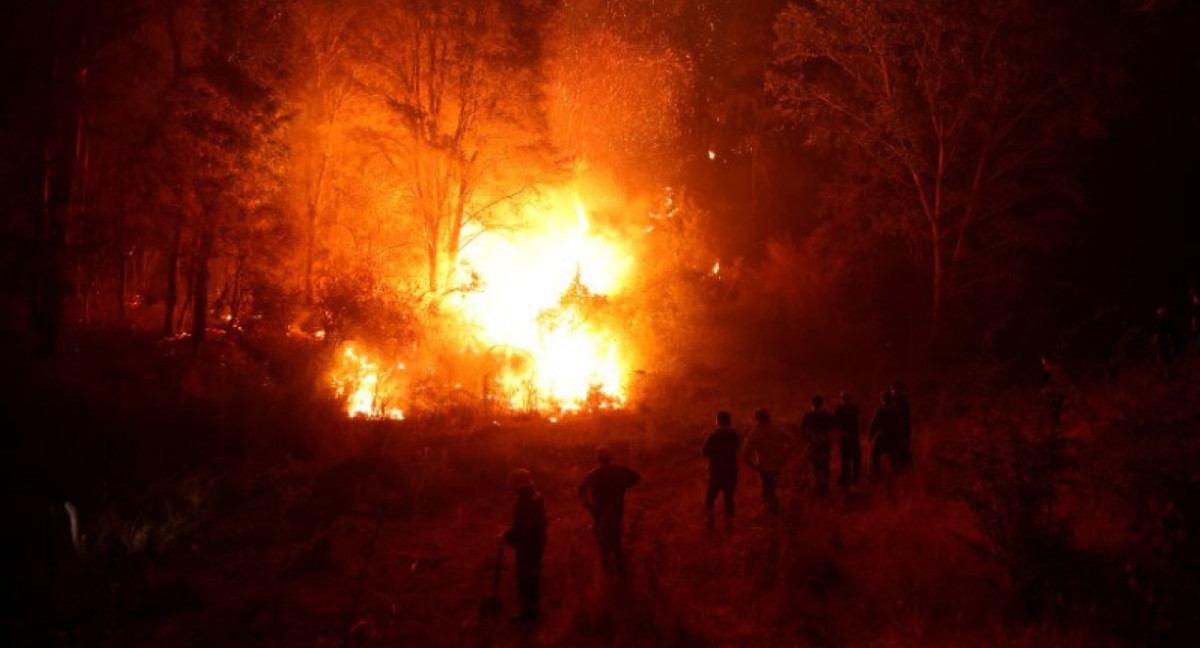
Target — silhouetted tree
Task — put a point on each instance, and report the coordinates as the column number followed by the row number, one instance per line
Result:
column 215, row 160
column 456, row 85
column 950, row 117
column 322, row 87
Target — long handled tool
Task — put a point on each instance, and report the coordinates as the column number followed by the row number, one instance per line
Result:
column 491, row 605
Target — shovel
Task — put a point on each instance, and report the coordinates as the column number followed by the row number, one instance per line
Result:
column 491, row 606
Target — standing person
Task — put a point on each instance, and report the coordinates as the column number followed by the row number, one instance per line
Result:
column 1166, row 341
column 816, row 429
column 883, row 436
column 527, row 537
column 603, row 494
column 903, row 449
column 1192, row 344
column 1051, row 391
column 721, row 448
column 766, row 451
column 847, row 418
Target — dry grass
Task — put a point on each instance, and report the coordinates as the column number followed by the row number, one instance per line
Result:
column 291, row 526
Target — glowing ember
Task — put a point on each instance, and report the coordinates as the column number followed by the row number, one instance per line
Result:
column 543, row 292
column 712, row 155
column 360, row 382
column 716, row 268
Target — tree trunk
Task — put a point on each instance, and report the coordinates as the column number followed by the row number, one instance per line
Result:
column 236, row 299
column 186, row 302
column 935, row 314
column 200, row 290
column 309, row 252
column 431, row 252
column 313, row 209
column 185, row 308
column 754, row 181
column 77, row 213
column 46, row 293
column 172, row 296
column 122, row 280
column 458, row 221
column 60, row 159
column 83, row 288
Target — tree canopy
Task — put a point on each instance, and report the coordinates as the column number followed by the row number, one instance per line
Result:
column 948, row 121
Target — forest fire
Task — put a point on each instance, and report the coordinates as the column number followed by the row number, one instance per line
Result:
column 635, row 322
column 540, row 303
column 535, row 300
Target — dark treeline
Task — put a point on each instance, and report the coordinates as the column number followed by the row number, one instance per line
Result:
column 977, row 177
column 821, row 194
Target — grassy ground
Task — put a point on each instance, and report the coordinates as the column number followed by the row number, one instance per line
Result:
column 325, row 532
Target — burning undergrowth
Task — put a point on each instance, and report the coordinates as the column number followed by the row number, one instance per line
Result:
column 544, row 315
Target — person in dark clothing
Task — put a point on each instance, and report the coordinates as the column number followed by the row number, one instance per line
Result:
column 527, row 537
column 1166, row 341
column 884, row 435
column 1193, row 342
column 1049, row 371
column 766, row 450
column 603, row 494
column 816, row 429
column 1053, row 399
column 846, row 416
column 721, row 448
column 903, row 444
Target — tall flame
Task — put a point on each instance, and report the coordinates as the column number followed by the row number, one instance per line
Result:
column 539, row 305
column 539, row 291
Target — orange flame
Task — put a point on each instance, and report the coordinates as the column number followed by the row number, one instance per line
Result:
column 359, row 381
column 537, row 289
column 538, row 302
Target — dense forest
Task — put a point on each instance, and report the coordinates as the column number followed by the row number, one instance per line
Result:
column 294, row 283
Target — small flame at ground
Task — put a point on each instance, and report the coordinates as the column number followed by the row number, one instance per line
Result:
column 358, row 379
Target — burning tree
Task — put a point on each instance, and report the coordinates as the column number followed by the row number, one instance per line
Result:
column 456, row 83
column 324, row 86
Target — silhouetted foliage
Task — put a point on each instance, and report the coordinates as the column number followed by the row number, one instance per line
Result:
column 950, row 123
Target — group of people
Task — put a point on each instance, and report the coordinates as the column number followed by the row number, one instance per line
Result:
column 603, row 495
column 767, row 449
column 1170, row 344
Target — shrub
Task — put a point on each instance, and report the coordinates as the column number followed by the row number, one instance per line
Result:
column 1009, row 474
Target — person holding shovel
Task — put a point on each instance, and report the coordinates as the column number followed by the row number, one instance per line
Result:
column 527, row 537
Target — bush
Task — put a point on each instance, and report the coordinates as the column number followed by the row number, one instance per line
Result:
column 1010, row 469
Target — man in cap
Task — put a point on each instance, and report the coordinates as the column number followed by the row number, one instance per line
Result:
column 603, row 494
column 527, row 537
